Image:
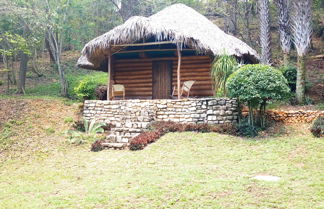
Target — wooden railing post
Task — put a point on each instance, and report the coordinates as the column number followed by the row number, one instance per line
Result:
column 109, row 76
column 178, row 71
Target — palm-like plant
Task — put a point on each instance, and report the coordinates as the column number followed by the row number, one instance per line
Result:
column 302, row 31
column 91, row 127
column 284, row 28
column 265, row 32
column 222, row 68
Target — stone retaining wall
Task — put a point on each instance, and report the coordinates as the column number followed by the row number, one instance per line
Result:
column 293, row 116
column 131, row 117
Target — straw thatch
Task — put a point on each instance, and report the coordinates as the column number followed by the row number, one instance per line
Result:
column 177, row 23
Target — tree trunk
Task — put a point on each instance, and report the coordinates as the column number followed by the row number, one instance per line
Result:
column 34, row 62
column 265, row 35
column 286, row 59
column 300, row 83
column 63, row 81
column 251, row 117
column 262, row 112
column 22, row 73
column 51, row 53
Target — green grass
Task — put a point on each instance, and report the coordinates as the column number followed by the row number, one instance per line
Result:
column 181, row 170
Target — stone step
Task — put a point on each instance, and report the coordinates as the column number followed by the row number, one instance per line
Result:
column 115, row 145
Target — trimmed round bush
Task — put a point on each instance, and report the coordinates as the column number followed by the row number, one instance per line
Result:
column 257, row 83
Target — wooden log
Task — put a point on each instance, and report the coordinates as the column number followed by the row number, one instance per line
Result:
column 162, row 58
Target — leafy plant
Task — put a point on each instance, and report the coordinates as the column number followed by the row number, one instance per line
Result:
column 86, row 87
column 244, row 128
column 77, row 138
column 290, row 73
column 91, row 127
column 143, row 139
column 86, row 131
column 257, row 85
column 317, row 128
column 222, row 68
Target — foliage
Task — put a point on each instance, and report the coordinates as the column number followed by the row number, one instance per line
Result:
column 143, row 139
column 222, row 68
column 245, row 129
column 86, row 131
column 12, row 44
column 97, row 146
column 86, row 87
column 317, row 128
column 91, row 127
column 77, row 138
column 290, row 73
column 257, row 85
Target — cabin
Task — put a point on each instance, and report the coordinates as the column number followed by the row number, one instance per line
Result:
column 153, row 56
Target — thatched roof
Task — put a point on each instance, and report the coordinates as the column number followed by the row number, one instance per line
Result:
column 177, row 23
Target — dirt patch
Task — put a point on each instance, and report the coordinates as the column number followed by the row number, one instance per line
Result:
column 11, row 109
column 41, row 127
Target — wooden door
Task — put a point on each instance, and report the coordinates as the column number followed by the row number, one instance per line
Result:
column 162, row 79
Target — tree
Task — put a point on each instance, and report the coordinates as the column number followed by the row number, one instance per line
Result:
column 265, row 32
column 257, row 85
column 284, row 28
column 302, row 31
column 54, row 37
column 25, row 29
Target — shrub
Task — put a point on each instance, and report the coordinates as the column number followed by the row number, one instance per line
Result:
column 85, row 89
column 317, row 128
column 78, row 125
column 143, row 139
column 97, row 146
column 245, row 129
column 101, row 93
column 256, row 85
column 226, row 128
column 1, row 83
column 290, row 73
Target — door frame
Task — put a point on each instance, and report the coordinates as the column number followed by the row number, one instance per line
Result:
column 168, row 89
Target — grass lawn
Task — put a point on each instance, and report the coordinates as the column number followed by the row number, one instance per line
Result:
column 181, row 170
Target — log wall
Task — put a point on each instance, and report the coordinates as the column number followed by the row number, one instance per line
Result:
column 136, row 75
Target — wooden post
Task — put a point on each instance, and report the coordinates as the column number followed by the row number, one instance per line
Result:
column 178, row 71
column 109, row 76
